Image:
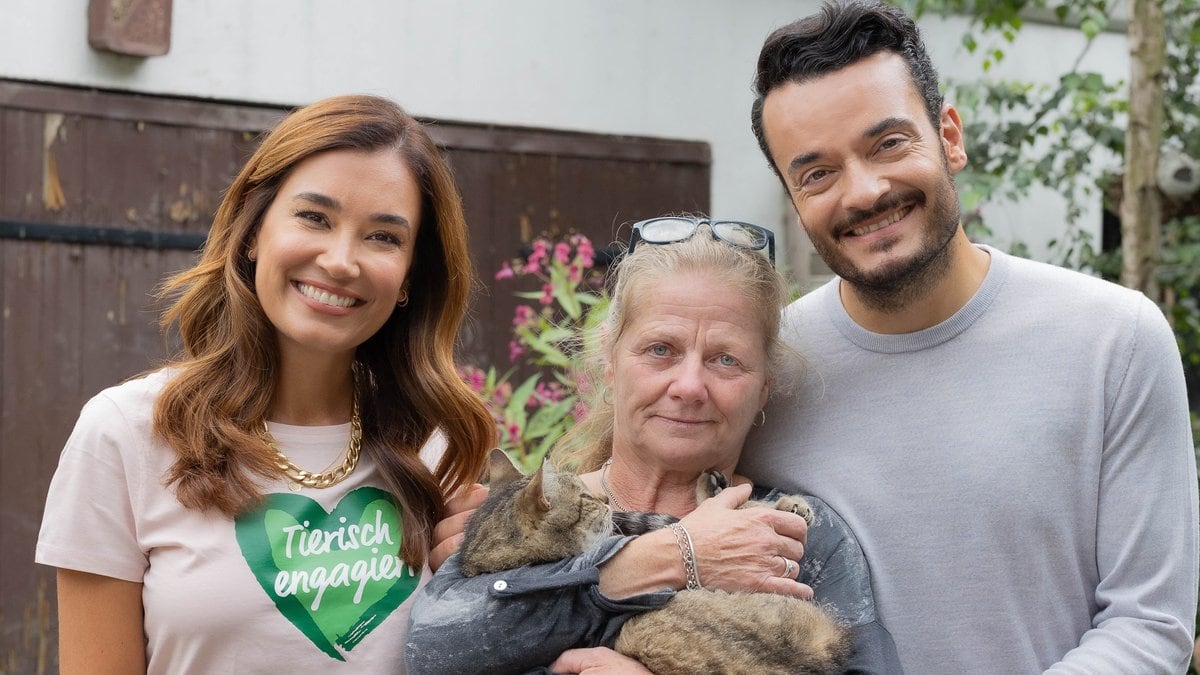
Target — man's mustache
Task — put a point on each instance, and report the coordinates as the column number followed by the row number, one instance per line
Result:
column 888, row 202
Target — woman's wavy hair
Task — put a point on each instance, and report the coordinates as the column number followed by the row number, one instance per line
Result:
column 223, row 382
column 588, row 444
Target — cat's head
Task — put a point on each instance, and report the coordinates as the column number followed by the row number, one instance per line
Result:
column 545, row 516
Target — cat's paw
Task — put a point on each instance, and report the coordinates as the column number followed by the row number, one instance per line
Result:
column 710, row 484
column 796, row 505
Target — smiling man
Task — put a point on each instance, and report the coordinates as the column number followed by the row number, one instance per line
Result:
column 1009, row 439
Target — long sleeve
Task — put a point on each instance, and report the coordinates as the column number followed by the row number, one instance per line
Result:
column 517, row 620
column 1145, row 551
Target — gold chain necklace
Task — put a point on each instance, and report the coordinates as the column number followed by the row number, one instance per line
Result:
column 324, row 479
column 612, row 498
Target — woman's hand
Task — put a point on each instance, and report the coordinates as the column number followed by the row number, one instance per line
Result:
column 448, row 533
column 99, row 624
column 596, row 661
column 736, row 550
column 745, row 549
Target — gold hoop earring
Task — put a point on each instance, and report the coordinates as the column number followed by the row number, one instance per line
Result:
column 762, row 418
column 403, row 301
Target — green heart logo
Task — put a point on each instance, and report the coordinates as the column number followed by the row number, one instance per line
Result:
column 335, row 576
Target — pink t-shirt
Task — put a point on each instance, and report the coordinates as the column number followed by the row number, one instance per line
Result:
column 308, row 583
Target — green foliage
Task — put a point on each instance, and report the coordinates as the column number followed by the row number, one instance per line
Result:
column 547, row 333
column 1005, row 18
column 1020, row 135
column 1069, row 137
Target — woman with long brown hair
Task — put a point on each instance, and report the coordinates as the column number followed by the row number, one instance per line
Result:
column 267, row 499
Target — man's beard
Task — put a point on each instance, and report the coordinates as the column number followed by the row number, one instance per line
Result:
column 893, row 286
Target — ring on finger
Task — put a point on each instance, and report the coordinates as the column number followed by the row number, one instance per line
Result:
column 790, row 568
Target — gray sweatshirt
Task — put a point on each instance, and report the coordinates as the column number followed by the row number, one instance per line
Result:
column 1021, row 476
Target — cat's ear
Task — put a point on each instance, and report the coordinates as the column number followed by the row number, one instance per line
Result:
column 534, row 494
column 501, row 469
column 551, row 485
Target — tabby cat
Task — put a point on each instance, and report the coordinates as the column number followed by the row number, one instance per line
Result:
column 550, row 515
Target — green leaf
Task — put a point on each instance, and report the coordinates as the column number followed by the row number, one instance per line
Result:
column 561, row 289
column 548, row 418
column 540, row 451
column 515, row 410
column 598, row 313
column 548, row 353
column 555, row 334
column 1090, row 27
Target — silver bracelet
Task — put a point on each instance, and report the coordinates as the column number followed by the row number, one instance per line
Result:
column 684, row 541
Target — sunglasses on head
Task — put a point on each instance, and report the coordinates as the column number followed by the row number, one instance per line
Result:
column 672, row 229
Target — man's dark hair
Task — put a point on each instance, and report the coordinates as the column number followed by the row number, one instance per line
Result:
column 837, row 36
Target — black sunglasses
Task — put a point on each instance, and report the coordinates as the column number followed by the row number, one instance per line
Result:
column 672, row 229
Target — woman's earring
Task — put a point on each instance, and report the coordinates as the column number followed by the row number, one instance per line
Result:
column 606, row 396
column 403, row 301
column 762, row 418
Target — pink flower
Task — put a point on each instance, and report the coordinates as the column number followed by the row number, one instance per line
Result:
column 539, row 252
column 513, row 431
column 473, row 376
column 515, row 351
column 562, row 252
column 547, row 294
column 580, row 411
column 574, row 274
column 586, row 253
column 550, row 393
column 506, row 272
column 523, row 315
column 532, row 268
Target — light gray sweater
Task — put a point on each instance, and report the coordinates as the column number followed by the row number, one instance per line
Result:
column 1021, row 476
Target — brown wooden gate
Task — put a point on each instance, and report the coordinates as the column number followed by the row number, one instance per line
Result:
column 102, row 194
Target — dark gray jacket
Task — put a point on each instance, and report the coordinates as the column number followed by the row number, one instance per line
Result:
column 521, row 620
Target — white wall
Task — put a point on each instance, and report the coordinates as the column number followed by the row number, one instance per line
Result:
column 1042, row 54
column 669, row 68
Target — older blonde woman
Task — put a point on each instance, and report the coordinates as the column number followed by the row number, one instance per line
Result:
column 686, row 359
